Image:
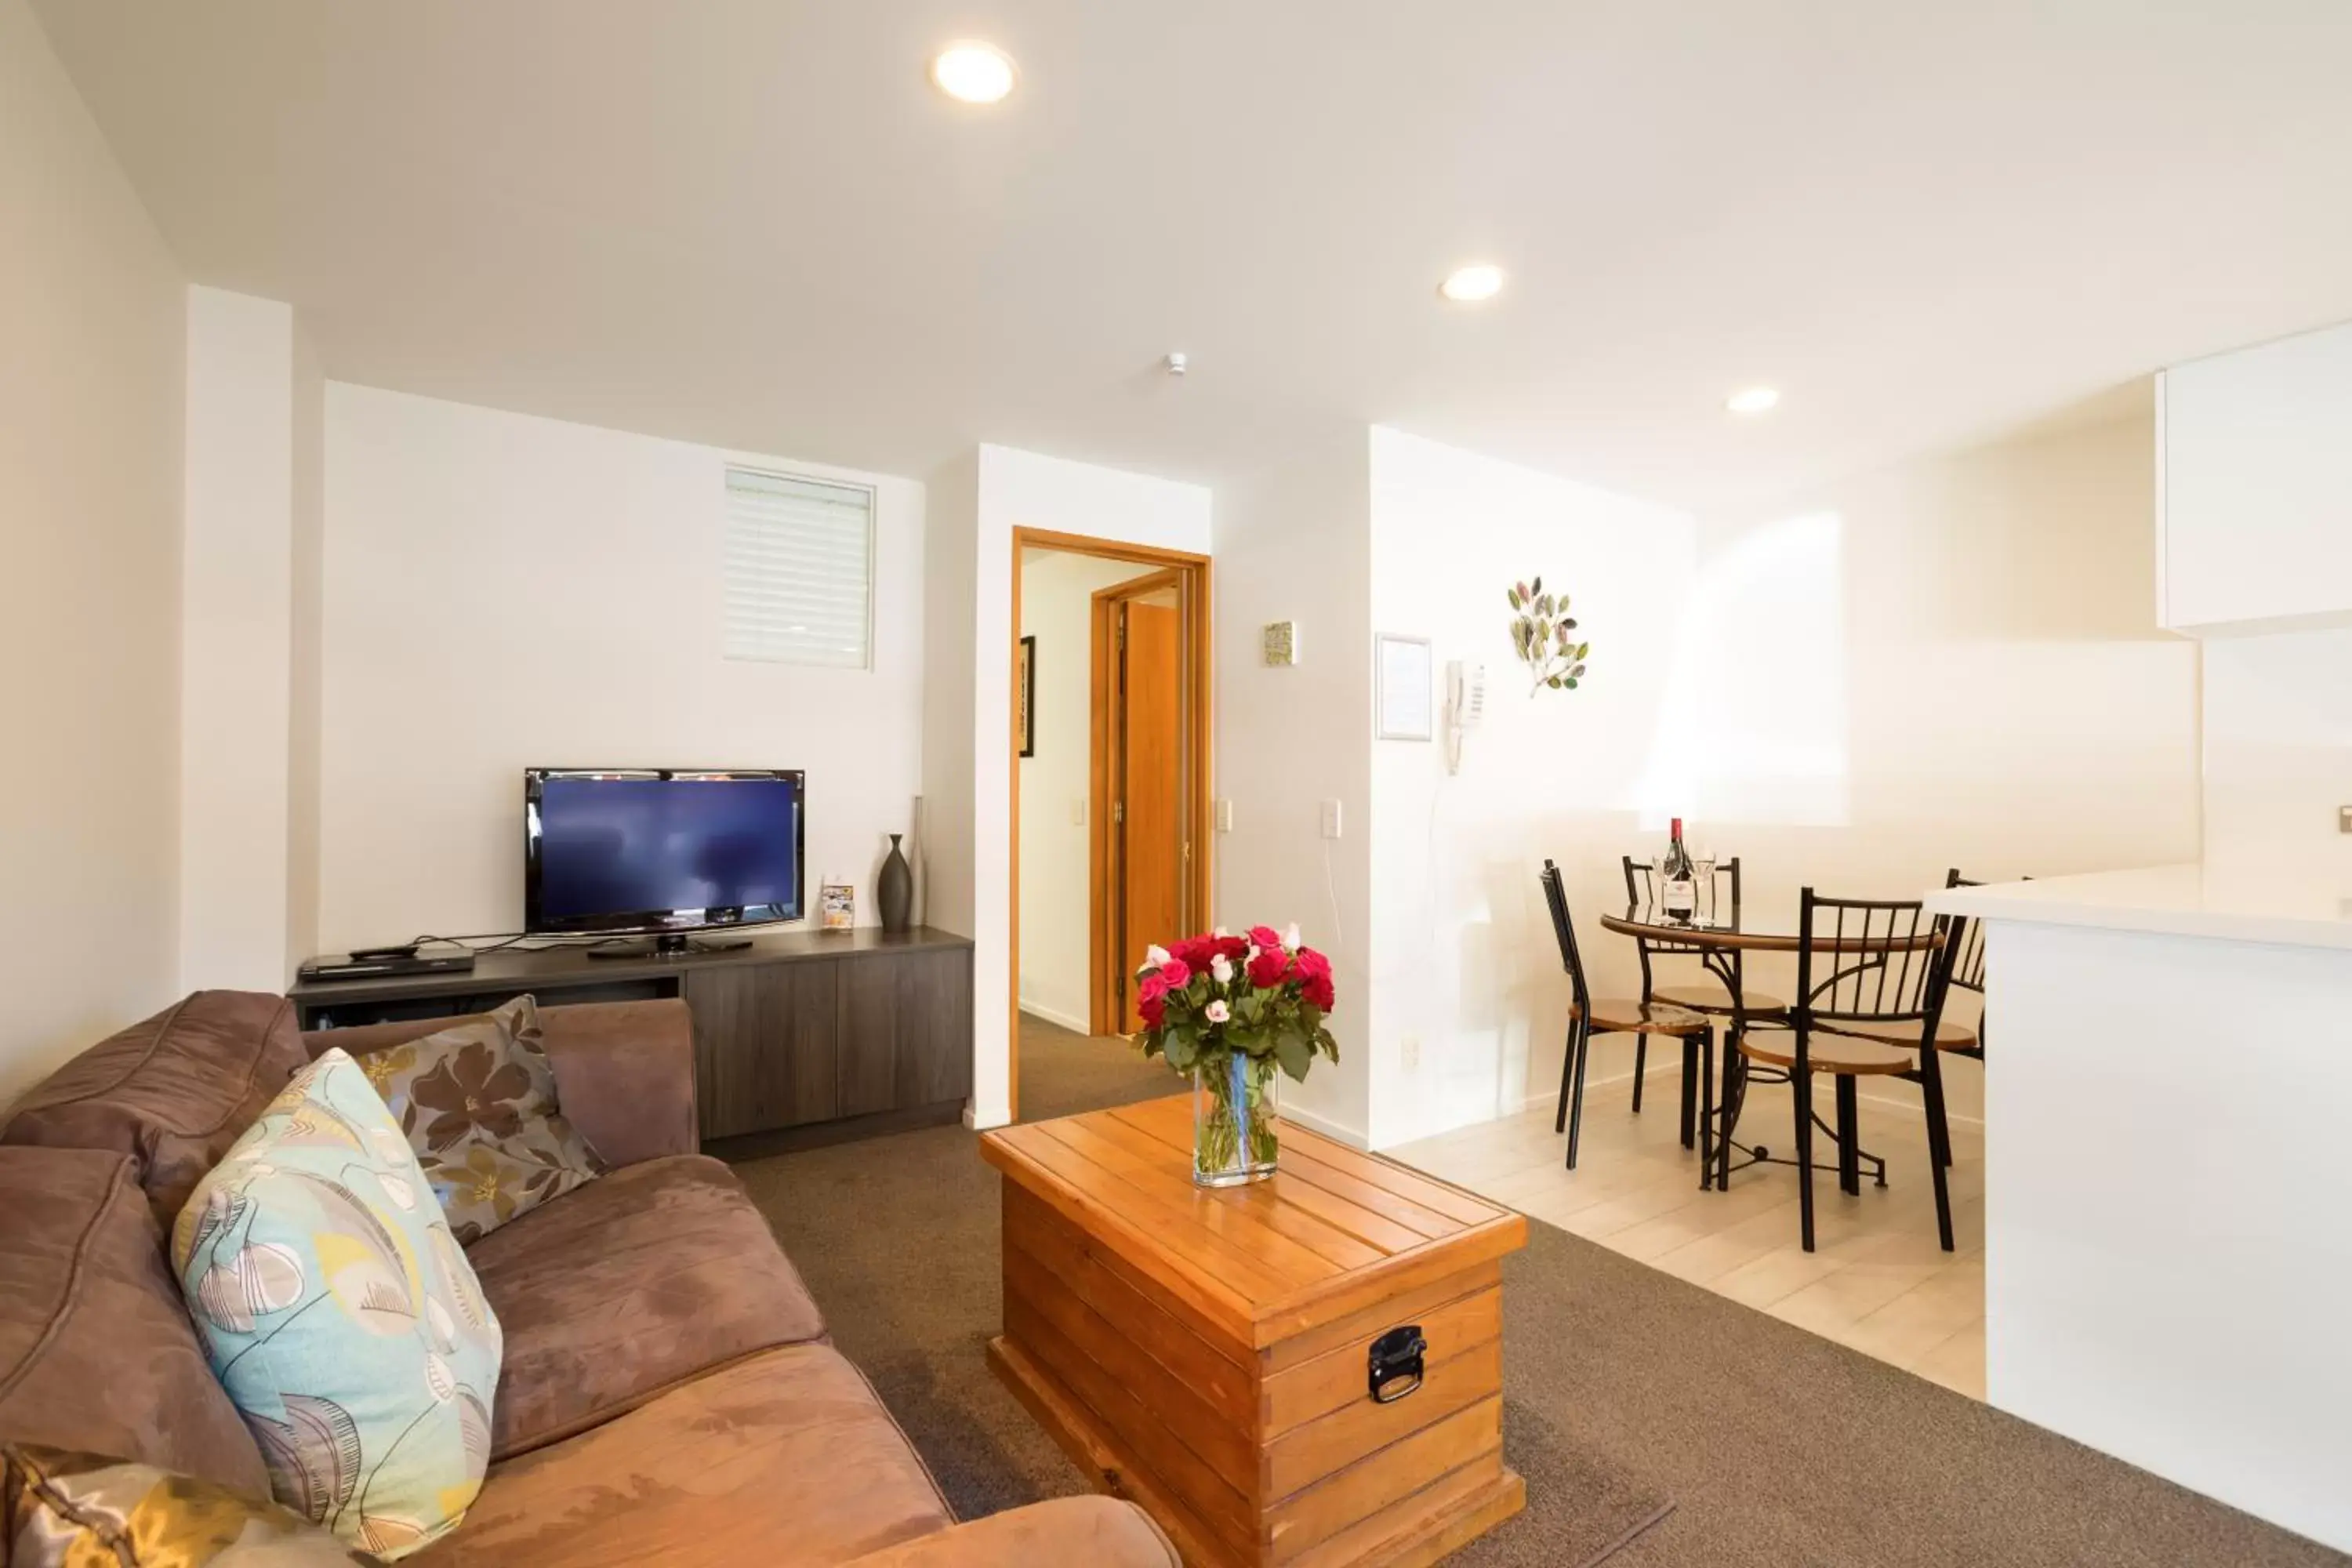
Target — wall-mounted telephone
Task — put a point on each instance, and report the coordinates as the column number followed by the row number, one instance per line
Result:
column 1465, row 705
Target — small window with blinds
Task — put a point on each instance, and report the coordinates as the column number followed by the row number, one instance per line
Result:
column 800, row 571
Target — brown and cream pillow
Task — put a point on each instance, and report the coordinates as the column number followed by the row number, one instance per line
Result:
column 61, row 1509
column 478, row 1105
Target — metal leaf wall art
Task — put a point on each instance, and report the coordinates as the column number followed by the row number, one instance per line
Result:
column 1543, row 636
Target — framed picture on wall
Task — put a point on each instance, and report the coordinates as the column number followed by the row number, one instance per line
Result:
column 1401, row 696
column 1025, row 697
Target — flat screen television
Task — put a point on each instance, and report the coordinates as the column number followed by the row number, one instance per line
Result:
column 662, row 851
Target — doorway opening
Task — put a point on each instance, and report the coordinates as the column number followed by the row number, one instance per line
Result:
column 1110, row 803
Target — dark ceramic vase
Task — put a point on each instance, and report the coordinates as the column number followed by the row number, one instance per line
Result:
column 895, row 888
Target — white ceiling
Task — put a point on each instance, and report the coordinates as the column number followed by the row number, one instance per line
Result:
column 754, row 222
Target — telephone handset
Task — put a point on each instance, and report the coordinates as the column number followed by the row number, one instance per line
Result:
column 1465, row 705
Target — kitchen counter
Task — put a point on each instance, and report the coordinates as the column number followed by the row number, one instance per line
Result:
column 2273, row 904
column 2167, row 1204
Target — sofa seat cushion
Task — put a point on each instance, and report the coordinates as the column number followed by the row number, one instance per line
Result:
column 173, row 1093
column 645, row 1277
column 96, row 1349
column 786, row 1457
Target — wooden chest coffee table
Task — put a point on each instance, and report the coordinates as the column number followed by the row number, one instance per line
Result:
column 1207, row 1353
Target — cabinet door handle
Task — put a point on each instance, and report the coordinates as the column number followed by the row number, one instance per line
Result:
column 1395, row 1360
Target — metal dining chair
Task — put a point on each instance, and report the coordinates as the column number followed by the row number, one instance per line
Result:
column 1872, row 976
column 1966, row 938
column 1609, row 1016
column 1968, row 973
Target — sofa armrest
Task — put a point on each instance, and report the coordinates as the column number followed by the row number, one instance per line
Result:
column 624, row 1070
column 1066, row 1532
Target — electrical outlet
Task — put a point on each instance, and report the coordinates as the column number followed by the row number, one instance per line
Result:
column 2344, row 819
column 1224, row 812
column 1330, row 819
column 1410, row 1052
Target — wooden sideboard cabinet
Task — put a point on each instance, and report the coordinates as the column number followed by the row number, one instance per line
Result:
column 798, row 1039
column 871, row 1033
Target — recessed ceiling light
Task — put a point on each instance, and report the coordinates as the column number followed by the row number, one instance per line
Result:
column 973, row 73
column 1754, row 400
column 1468, row 285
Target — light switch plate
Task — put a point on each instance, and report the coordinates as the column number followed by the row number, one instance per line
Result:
column 1330, row 819
column 2344, row 819
column 1224, row 813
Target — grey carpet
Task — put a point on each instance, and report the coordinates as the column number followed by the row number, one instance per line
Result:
column 1623, row 1387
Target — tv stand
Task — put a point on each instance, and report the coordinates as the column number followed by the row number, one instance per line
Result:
column 668, row 944
column 804, row 1037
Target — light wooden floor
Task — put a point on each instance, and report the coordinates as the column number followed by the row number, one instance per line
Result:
column 1878, row 1281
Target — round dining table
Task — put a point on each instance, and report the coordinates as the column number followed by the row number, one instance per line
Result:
column 1720, row 937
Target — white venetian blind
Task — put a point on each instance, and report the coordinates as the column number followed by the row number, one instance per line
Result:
column 800, row 571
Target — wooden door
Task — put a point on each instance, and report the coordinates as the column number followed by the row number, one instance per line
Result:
column 1149, row 815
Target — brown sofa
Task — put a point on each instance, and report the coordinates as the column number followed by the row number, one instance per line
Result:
column 669, row 1393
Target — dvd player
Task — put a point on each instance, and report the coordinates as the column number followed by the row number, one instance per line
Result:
column 383, row 966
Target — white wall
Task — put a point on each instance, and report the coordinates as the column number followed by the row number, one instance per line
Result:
column 1293, row 543
column 1056, row 845
column 93, row 317
column 1996, row 695
column 1013, row 489
column 502, row 592
column 944, row 891
column 2278, row 750
column 306, row 562
column 237, row 643
column 1464, row 960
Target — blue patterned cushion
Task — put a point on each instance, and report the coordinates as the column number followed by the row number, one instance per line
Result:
column 341, row 1316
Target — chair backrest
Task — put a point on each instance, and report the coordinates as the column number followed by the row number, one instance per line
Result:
column 1642, row 888
column 1871, row 960
column 1967, row 936
column 1565, row 930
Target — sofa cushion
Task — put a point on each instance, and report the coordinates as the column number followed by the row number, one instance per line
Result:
column 1085, row 1531
column 477, row 1101
column 341, row 1316
column 61, row 1509
column 785, row 1458
column 173, row 1093
column 96, row 1349
column 642, row 1278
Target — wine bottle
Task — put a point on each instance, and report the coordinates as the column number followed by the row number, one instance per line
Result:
column 1677, row 883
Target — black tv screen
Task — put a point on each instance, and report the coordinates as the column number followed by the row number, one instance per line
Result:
column 661, row 849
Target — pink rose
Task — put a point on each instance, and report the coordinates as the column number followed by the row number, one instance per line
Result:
column 1315, row 979
column 1151, row 999
column 1266, row 937
column 1174, row 973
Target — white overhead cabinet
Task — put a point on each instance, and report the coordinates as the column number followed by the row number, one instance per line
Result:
column 2255, row 487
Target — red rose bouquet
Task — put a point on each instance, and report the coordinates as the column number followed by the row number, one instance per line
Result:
column 1228, row 1010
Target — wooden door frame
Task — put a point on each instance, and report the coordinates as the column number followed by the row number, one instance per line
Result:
column 1105, row 711
column 1198, row 627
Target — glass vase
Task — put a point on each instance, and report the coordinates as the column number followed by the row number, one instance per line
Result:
column 1235, row 1103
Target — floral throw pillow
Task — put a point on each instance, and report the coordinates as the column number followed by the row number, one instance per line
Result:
column 477, row 1104
column 60, row 1509
column 342, row 1317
